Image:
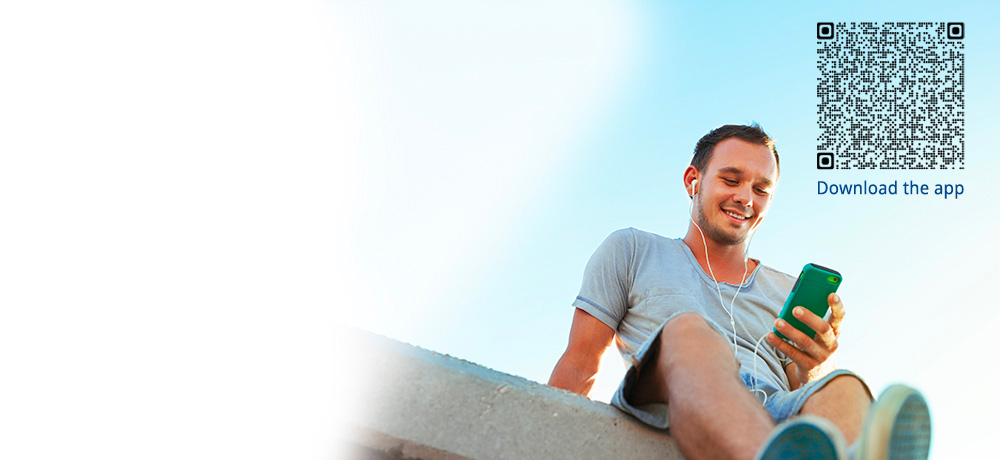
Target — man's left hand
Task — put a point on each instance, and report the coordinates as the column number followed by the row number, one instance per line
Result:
column 813, row 356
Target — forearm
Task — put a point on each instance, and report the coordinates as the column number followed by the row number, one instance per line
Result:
column 573, row 376
column 577, row 367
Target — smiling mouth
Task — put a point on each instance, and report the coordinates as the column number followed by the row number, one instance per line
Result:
column 735, row 215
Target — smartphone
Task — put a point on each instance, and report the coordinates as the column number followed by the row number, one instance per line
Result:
column 811, row 290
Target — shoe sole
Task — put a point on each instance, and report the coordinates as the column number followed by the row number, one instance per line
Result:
column 804, row 438
column 898, row 426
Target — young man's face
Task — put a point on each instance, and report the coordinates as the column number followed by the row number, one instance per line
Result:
column 735, row 190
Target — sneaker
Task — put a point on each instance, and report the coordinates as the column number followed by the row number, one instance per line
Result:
column 898, row 427
column 804, row 438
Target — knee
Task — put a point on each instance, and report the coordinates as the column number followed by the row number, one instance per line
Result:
column 686, row 325
column 688, row 342
column 690, row 331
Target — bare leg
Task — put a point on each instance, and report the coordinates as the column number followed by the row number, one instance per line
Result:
column 712, row 415
column 843, row 401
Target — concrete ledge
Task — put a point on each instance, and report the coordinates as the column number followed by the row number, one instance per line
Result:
column 424, row 405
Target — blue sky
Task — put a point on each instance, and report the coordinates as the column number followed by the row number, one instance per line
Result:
column 506, row 143
column 198, row 196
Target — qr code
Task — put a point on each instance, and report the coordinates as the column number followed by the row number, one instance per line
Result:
column 891, row 95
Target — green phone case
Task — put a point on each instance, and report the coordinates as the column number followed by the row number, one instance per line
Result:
column 811, row 290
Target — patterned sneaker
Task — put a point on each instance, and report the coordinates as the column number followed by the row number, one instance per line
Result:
column 898, row 427
column 804, row 438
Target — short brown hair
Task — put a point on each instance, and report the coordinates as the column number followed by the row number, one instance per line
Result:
column 752, row 134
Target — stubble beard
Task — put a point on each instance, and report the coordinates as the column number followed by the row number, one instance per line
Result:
column 713, row 231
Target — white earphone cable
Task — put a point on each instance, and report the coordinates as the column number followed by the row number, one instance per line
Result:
column 746, row 267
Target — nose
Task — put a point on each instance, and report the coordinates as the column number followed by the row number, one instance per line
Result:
column 744, row 196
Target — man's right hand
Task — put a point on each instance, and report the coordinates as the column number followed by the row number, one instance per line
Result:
column 589, row 338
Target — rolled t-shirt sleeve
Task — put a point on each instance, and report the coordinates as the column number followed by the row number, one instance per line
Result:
column 608, row 279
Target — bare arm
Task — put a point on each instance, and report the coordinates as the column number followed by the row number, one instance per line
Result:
column 589, row 338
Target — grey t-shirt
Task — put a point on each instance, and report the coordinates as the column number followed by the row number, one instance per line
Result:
column 636, row 280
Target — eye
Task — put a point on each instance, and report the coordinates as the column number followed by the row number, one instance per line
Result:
column 729, row 181
column 762, row 192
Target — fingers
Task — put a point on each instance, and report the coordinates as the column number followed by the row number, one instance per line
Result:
column 803, row 360
column 815, row 349
column 810, row 353
column 836, row 312
column 824, row 331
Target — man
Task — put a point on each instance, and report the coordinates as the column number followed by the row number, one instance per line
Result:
column 680, row 309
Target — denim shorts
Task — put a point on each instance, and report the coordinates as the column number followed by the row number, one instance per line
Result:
column 781, row 404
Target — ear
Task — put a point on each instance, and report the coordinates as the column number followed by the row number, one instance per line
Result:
column 691, row 182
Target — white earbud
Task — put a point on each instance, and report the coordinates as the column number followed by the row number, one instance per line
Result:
column 694, row 187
